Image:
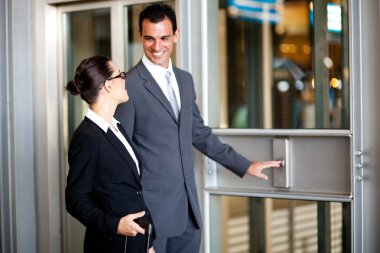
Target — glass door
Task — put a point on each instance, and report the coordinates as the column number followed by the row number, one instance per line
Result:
column 279, row 75
column 85, row 29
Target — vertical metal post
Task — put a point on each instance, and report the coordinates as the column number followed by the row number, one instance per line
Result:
column 216, row 221
column 346, row 227
column 257, row 225
column 267, row 57
column 6, row 234
column 324, row 227
column 321, row 80
column 345, row 65
column 253, row 33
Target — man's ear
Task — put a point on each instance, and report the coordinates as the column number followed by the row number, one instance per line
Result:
column 176, row 36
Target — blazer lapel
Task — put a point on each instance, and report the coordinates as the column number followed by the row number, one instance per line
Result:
column 119, row 146
column 152, row 86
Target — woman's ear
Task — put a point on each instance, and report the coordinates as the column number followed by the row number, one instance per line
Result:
column 108, row 86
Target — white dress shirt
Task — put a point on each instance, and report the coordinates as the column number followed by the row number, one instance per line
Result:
column 159, row 73
column 104, row 126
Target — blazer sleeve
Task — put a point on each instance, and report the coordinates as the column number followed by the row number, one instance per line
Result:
column 210, row 145
column 83, row 159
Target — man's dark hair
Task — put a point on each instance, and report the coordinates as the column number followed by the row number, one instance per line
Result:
column 157, row 12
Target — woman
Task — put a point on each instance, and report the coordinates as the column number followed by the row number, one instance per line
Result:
column 103, row 185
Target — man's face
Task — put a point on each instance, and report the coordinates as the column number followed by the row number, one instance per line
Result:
column 158, row 41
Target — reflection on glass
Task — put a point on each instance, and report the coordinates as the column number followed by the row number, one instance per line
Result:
column 86, row 33
column 133, row 47
column 280, row 64
column 250, row 225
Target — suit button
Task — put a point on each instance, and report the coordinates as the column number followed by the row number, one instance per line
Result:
column 138, row 192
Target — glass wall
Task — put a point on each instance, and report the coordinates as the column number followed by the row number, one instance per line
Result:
column 279, row 64
column 86, row 33
column 251, row 225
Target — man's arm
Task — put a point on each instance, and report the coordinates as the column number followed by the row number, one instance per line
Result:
column 210, row 145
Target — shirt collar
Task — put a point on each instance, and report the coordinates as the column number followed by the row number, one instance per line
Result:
column 154, row 67
column 99, row 120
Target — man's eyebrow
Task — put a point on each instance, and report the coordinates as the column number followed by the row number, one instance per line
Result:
column 151, row 37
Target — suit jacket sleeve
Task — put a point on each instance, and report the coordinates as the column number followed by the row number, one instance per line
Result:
column 209, row 144
column 83, row 157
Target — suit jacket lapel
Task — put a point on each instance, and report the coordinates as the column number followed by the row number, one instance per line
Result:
column 119, row 146
column 134, row 147
column 180, row 83
column 152, row 86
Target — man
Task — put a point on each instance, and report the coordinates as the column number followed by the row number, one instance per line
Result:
column 166, row 124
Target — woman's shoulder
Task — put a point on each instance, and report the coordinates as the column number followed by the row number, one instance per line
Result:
column 86, row 133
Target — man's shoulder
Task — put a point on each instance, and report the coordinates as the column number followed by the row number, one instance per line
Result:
column 135, row 70
column 181, row 72
column 135, row 76
column 175, row 68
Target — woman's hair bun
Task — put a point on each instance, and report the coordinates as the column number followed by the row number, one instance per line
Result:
column 73, row 88
column 89, row 77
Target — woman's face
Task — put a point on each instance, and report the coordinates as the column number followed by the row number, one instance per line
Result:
column 117, row 80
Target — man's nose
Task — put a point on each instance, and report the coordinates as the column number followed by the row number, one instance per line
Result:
column 157, row 45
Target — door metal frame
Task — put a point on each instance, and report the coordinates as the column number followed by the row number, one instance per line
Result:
column 119, row 55
column 115, row 46
column 356, row 123
column 354, row 133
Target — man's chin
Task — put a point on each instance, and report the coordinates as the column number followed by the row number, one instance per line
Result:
column 157, row 60
column 159, row 63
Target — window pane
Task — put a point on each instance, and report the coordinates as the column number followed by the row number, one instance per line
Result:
column 134, row 47
column 86, row 33
column 250, row 225
column 278, row 64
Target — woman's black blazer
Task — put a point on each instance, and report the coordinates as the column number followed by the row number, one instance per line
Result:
column 103, row 185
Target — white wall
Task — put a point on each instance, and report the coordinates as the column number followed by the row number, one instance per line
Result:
column 18, row 213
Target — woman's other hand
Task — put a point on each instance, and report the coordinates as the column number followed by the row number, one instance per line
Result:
column 127, row 225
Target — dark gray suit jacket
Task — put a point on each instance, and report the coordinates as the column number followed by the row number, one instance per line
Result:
column 166, row 147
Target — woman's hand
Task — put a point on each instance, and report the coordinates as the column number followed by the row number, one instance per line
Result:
column 151, row 250
column 128, row 227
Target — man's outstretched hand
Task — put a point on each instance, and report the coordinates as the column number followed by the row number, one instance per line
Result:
column 256, row 168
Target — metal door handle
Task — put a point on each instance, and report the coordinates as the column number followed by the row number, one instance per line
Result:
column 281, row 176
